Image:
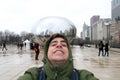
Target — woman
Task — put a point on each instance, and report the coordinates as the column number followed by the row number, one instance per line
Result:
column 58, row 63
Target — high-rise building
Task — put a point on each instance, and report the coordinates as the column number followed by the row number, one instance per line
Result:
column 94, row 19
column 115, row 9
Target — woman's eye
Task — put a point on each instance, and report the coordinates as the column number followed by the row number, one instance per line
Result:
column 64, row 45
column 53, row 44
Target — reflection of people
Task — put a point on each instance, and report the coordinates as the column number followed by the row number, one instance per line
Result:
column 37, row 51
column 58, row 63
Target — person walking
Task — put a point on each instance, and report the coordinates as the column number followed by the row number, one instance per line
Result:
column 101, row 45
column 4, row 46
column 18, row 46
column 106, row 48
column 58, row 63
column 37, row 51
column 21, row 46
column 25, row 44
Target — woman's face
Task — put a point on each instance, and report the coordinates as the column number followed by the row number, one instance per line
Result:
column 58, row 51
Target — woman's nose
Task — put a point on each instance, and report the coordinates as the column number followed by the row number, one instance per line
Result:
column 59, row 46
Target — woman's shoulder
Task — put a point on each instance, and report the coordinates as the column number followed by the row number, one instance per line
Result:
column 86, row 75
column 30, row 74
column 84, row 71
column 33, row 69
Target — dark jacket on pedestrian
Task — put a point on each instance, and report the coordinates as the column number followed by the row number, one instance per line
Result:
column 63, row 72
column 106, row 46
column 36, row 48
column 101, row 45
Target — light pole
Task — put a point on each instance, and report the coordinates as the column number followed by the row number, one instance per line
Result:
column 108, row 24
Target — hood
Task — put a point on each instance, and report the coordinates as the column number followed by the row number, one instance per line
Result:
column 64, row 71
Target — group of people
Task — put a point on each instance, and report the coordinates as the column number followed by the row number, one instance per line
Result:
column 20, row 45
column 58, row 63
column 104, row 48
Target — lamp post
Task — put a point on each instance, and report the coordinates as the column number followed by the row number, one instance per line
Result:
column 108, row 24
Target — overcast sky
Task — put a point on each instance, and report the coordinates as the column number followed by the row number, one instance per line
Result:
column 22, row 15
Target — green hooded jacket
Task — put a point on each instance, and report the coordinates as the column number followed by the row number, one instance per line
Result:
column 62, row 72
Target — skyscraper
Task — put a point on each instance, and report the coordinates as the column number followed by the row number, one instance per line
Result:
column 115, row 9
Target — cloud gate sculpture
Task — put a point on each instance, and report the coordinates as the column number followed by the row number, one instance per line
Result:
column 47, row 26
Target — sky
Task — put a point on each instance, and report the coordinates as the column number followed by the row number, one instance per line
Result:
column 22, row 15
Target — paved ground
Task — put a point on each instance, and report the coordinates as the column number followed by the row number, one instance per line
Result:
column 14, row 63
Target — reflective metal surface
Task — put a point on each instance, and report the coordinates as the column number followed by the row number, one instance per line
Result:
column 53, row 24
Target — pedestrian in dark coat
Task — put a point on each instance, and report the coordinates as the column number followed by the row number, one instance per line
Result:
column 106, row 48
column 4, row 46
column 101, row 45
column 37, row 50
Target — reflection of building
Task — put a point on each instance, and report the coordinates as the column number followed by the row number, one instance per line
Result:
column 50, row 25
column 115, row 9
column 54, row 24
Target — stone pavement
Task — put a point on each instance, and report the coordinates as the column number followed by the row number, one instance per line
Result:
column 115, row 50
column 14, row 63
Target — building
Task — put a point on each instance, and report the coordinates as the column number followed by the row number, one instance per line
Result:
column 115, row 9
column 115, row 28
column 101, row 29
column 115, row 32
column 86, row 34
column 93, row 20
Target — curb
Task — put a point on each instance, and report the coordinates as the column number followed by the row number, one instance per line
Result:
column 115, row 50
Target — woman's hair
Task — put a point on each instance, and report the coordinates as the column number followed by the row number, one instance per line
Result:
column 53, row 37
column 56, row 36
